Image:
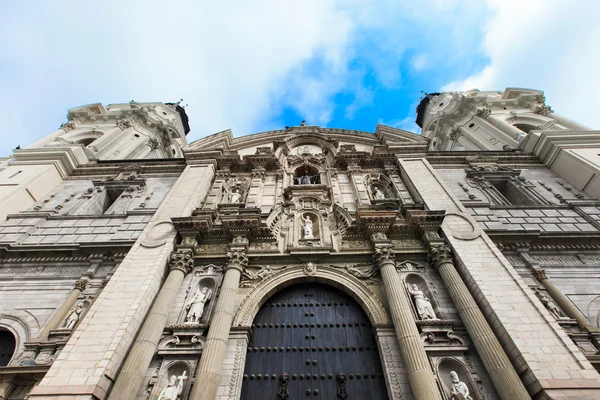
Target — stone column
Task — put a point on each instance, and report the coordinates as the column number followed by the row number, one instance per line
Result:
column 215, row 347
column 501, row 371
column 63, row 310
column 417, row 364
column 134, row 369
column 563, row 301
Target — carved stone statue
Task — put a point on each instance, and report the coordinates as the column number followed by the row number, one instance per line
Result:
column 196, row 305
column 422, row 303
column 459, row 390
column 74, row 316
column 251, row 278
column 234, row 195
column 308, row 228
column 549, row 304
column 173, row 390
column 378, row 194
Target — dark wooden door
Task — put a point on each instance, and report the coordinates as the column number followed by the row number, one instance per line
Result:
column 322, row 339
column 7, row 347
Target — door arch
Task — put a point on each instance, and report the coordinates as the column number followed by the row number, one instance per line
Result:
column 321, row 338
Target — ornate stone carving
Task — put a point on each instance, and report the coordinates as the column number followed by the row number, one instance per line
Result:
column 383, row 255
column 391, row 366
column 68, row 126
column 539, row 275
column 368, row 272
column 543, row 110
column 237, row 259
column 252, row 277
column 73, row 317
column 124, row 123
column 459, row 390
column 195, row 307
column 483, row 112
column 182, row 261
column 238, row 365
column 174, row 388
column 81, row 285
column 422, row 303
column 406, row 266
column 550, row 306
column 439, row 255
column 310, row 268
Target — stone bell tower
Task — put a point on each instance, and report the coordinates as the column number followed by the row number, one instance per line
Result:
column 486, row 120
column 92, row 133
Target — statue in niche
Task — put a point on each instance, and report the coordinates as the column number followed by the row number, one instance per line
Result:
column 306, row 179
column 234, row 195
column 195, row 307
column 422, row 303
column 74, row 316
column 173, row 389
column 378, row 194
column 308, row 228
column 549, row 304
column 459, row 390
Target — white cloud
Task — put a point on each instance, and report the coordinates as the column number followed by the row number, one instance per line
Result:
column 549, row 45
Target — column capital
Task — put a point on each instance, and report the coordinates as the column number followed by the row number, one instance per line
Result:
column 237, row 259
column 81, row 284
column 439, row 255
column 540, row 274
column 181, row 260
column 384, row 254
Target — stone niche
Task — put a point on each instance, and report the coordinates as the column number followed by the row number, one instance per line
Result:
column 445, row 365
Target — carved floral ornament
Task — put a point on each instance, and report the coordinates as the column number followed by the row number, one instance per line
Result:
column 237, row 259
column 182, row 261
column 384, row 255
column 439, row 255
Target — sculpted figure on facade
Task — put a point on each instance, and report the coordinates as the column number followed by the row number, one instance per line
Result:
column 195, row 307
column 251, row 278
column 173, row 389
column 366, row 272
column 549, row 304
column 308, row 228
column 74, row 316
column 378, row 194
column 459, row 390
column 234, row 195
column 422, row 303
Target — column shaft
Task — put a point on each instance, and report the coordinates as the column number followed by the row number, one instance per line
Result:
column 211, row 362
column 61, row 313
column 563, row 301
column 415, row 358
column 503, row 375
column 132, row 374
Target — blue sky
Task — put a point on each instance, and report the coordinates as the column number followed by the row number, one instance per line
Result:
column 265, row 64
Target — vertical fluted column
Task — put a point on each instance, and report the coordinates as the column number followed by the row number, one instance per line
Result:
column 501, row 371
column 213, row 355
column 420, row 376
column 134, row 369
column 563, row 301
column 61, row 313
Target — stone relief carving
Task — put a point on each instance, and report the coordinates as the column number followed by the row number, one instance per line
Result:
column 310, row 268
column 549, row 304
column 366, row 272
column 73, row 317
column 458, row 390
column 195, row 307
column 378, row 194
column 422, row 303
column 174, row 388
column 252, row 276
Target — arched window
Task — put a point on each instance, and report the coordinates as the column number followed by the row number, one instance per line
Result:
column 307, row 175
column 7, row 347
column 526, row 127
column 86, row 141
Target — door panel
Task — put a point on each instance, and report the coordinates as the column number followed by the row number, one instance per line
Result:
column 313, row 332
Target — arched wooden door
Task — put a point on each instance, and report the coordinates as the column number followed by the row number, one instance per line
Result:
column 312, row 341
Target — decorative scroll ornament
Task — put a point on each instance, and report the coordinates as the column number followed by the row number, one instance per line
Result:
column 384, row 255
column 284, row 380
column 182, row 261
column 237, row 259
column 252, row 277
column 439, row 255
column 340, row 379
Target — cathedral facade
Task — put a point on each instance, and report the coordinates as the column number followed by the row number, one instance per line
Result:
column 306, row 262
